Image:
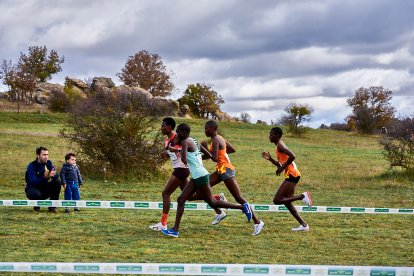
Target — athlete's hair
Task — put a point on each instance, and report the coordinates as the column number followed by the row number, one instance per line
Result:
column 277, row 131
column 69, row 155
column 184, row 127
column 169, row 122
column 40, row 149
column 212, row 123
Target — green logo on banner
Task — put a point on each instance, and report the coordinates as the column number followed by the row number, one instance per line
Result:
column 209, row 207
column 44, row 267
column 382, row 272
column 283, row 208
column 333, row 209
column 44, row 203
column 6, row 267
column 261, row 207
column 117, row 204
column 1, row 202
column 298, row 270
column 161, row 205
column 141, row 204
column 136, row 268
column 93, row 203
column 405, row 210
column 309, row 209
column 256, row 270
column 336, row 271
column 358, row 210
column 69, row 203
column 86, row 267
column 171, row 269
column 190, row 206
column 214, row 269
column 20, row 202
column 382, row 210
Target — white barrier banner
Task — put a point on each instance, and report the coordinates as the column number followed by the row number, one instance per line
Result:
column 204, row 269
column 198, row 206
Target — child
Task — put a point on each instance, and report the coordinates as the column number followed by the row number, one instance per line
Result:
column 71, row 179
column 286, row 191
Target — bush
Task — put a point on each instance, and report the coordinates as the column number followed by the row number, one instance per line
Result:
column 117, row 132
column 398, row 142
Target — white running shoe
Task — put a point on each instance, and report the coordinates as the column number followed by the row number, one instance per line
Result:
column 219, row 217
column 158, row 227
column 301, row 228
column 307, row 199
column 223, row 197
column 258, row 228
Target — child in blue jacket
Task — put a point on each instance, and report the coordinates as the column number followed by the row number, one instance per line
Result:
column 71, row 179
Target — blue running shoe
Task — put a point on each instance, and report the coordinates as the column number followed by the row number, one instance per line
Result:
column 247, row 210
column 170, row 232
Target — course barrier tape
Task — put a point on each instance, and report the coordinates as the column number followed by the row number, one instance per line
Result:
column 205, row 269
column 198, row 206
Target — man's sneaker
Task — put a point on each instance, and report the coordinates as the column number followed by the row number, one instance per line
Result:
column 258, row 228
column 219, row 217
column 36, row 209
column 223, row 198
column 307, row 199
column 53, row 210
column 76, row 209
column 158, row 227
column 301, row 228
column 67, row 210
column 247, row 210
column 170, row 232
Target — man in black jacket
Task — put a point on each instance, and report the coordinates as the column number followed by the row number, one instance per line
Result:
column 42, row 179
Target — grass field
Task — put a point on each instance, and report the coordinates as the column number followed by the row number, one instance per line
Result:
column 338, row 168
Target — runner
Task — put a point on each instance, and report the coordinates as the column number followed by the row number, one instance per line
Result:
column 225, row 171
column 286, row 191
column 199, row 183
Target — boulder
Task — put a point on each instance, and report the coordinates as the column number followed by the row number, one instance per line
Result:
column 43, row 92
column 102, row 82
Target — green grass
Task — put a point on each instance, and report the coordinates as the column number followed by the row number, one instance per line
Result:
column 338, row 168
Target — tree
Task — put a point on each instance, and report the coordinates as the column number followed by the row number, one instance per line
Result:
column 117, row 130
column 40, row 64
column 296, row 115
column 202, row 100
column 398, row 143
column 371, row 108
column 245, row 117
column 32, row 68
column 148, row 72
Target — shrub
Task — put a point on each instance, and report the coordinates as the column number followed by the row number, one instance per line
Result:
column 117, row 131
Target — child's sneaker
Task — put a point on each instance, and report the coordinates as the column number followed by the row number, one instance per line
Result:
column 247, row 210
column 67, row 210
column 258, row 228
column 307, row 199
column 158, row 227
column 170, row 232
column 219, row 217
column 301, row 228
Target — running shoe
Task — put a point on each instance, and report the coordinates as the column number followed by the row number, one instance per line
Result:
column 307, row 199
column 247, row 210
column 223, row 198
column 170, row 232
column 258, row 228
column 76, row 209
column 301, row 228
column 219, row 217
column 67, row 210
column 158, row 227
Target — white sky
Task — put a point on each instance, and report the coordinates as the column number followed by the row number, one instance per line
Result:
column 258, row 55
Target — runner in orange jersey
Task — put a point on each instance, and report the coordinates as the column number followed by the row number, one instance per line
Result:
column 286, row 191
column 225, row 171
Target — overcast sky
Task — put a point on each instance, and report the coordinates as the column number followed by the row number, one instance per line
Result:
column 258, row 55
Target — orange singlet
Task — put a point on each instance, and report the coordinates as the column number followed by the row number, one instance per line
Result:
column 223, row 160
column 289, row 170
